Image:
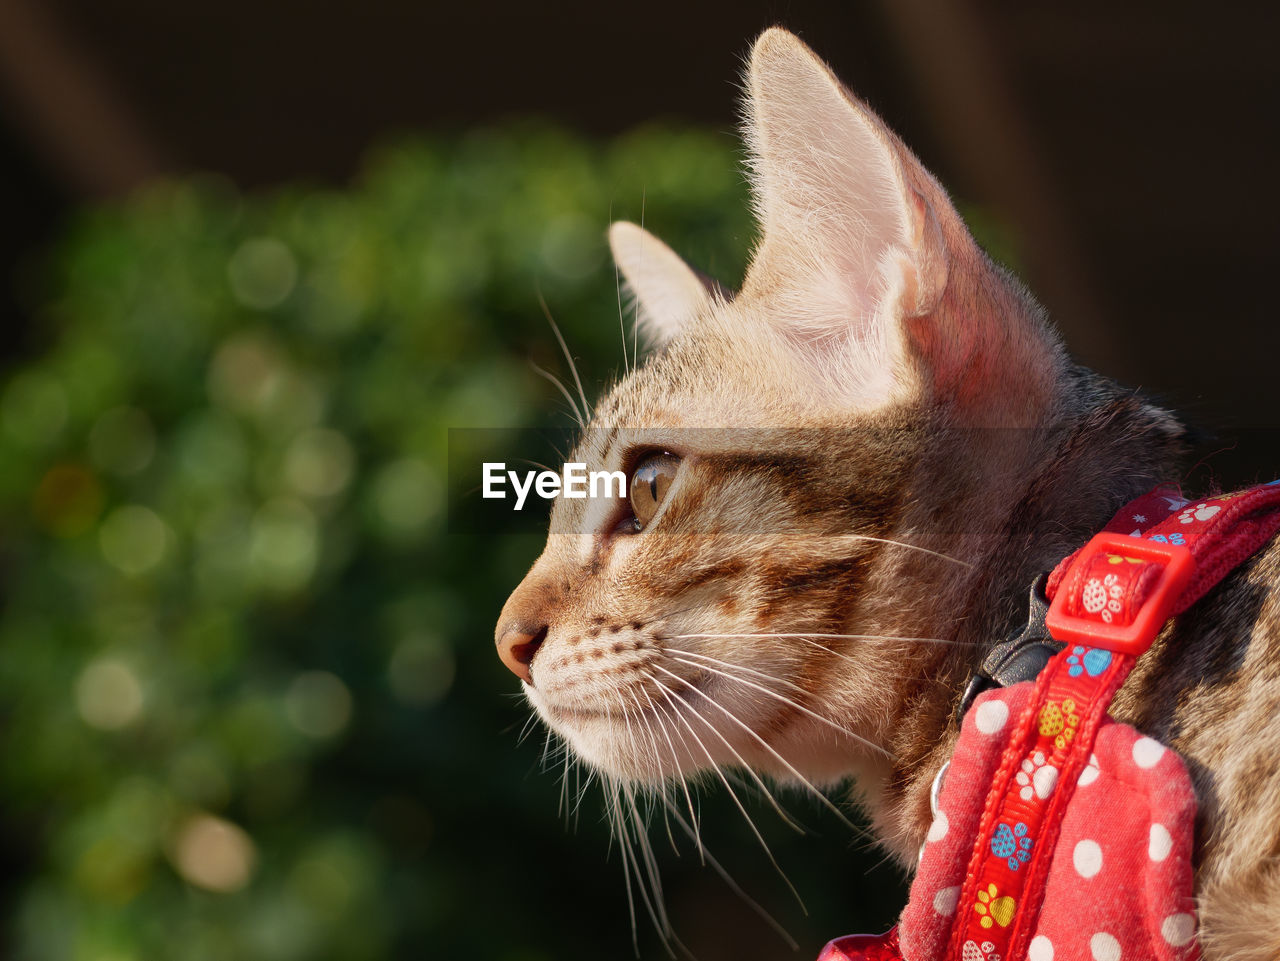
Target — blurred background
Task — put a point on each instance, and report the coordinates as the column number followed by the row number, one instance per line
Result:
column 256, row 260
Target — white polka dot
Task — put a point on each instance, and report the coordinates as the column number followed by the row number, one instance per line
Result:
column 1087, row 857
column 938, row 829
column 1090, row 772
column 944, row 902
column 1104, row 947
column 1178, row 929
column 1040, row 949
column 991, row 716
column 1045, row 780
column 1147, row 752
column 1161, row 843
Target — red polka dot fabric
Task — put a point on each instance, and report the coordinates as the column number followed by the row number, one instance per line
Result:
column 1119, row 883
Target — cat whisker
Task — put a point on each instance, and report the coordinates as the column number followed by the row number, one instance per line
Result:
column 635, row 320
column 622, row 321
column 633, row 862
column 614, row 811
column 573, row 367
column 571, row 787
column 563, row 806
column 573, row 404
column 582, row 786
column 769, row 796
column 733, row 885
column 826, row 801
column 858, row 832
column 677, row 654
column 779, row 697
column 645, row 721
column 631, row 734
column 669, row 693
column 750, row 789
column 848, row 637
column 635, row 837
column 546, row 749
column 658, row 906
column 886, row 675
column 675, row 762
column 809, row 639
column 661, row 714
column 910, row 547
column 526, row 729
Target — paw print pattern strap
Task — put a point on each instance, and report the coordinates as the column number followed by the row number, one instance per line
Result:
column 1156, row 558
column 1220, row 533
column 999, row 899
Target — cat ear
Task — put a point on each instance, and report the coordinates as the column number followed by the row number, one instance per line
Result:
column 850, row 226
column 667, row 291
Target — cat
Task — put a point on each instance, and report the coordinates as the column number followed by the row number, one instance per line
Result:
column 845, row 476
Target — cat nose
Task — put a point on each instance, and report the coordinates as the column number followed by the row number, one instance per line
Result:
column 516, row 647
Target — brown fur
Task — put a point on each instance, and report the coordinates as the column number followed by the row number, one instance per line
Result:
column 883, row 440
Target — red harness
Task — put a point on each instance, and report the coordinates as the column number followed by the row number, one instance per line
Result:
column 1059, row 833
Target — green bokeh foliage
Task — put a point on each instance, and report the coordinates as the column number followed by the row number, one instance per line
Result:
column 237, row 636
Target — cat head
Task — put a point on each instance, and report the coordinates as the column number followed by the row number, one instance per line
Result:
column 734, row 608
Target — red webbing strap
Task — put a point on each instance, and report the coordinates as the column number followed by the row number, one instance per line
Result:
column 1220, row 532
column 1000, row 894
column 1110, row 599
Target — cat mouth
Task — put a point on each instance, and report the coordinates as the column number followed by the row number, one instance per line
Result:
column 576, row 713
column 673, row 698
column 561, row 712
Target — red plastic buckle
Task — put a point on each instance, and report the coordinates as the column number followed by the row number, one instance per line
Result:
column 864, row 947
column 1136, row 637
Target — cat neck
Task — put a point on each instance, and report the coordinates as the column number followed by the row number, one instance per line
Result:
column 1009, row 505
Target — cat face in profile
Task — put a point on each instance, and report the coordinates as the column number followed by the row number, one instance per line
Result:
column 843, row 477
column 736, row 611
column 786, row 425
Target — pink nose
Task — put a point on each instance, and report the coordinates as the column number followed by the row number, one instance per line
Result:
column 516, row 648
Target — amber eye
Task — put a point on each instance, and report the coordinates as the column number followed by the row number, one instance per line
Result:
column 650, row 481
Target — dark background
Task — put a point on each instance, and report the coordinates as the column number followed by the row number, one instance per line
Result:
column 1130, row 147
column 1121, row 157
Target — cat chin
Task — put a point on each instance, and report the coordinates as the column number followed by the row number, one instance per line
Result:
column 593, row 737
column 592, row 741
column 589, row 734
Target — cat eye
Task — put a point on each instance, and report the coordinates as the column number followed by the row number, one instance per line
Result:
column 650, row 482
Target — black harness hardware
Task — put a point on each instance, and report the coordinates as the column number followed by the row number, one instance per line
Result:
column 1021, row 656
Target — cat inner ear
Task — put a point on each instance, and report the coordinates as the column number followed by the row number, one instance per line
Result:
column 852, row 247
column 668, row 293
